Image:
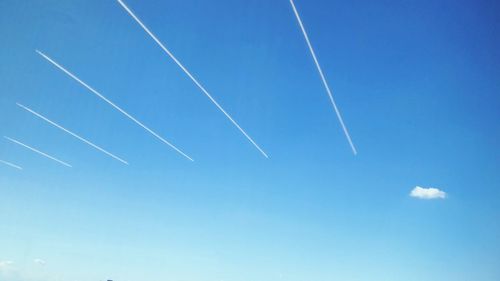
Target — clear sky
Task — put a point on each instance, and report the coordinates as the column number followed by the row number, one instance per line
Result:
column 417, row 82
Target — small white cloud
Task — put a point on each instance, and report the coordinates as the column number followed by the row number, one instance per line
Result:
column 4, row 265
column 427, row 193
column 39, row 262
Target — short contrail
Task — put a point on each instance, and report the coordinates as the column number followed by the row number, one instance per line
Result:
column 11, row 165
column 190, row 76
column 112, row 104
column 39, row 152
column 71, row 133
column 339, row 116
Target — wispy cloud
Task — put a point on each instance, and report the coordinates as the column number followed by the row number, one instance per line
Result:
column 11, row 164
column 325, row 83
column 196, row 82
column 5, row 265
column 38, row 151
column 95, row 92
column 71, row 133
column 427, row 193
column 40, row 262
column 6, row 270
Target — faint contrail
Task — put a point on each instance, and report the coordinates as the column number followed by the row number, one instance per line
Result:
column 190, row 76
column 112, row 104
column 39, row 152
column 339, row 116
column 11, row 165
column 71, row 133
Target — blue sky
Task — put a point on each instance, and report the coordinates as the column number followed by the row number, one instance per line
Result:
column 417, row 83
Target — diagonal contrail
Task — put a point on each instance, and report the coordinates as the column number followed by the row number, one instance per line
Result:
column 337, row 111
column 112, row 104
column 190, row 76
column 11, row 165
column 39, row 152
column 71, row 133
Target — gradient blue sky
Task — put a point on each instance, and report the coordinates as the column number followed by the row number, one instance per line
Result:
column 417, row 82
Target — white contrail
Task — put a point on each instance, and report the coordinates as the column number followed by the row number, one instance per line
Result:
column 71, row 133
column 11, row 165
column 191, row 76
column 39, row 152
column 337, row 111
column 112, row 104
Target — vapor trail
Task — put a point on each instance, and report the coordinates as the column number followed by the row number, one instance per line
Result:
column 112, row 104
column 11, row 165
column 39, row 152
column 327, row 87
column 71, row 133
column 190, row 76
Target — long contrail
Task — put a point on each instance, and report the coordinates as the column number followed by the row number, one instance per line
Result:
column 337, row 111
column 72, row 134
column 190, row 76
column 11, row 165
column 112, row 104
column 39, row 152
